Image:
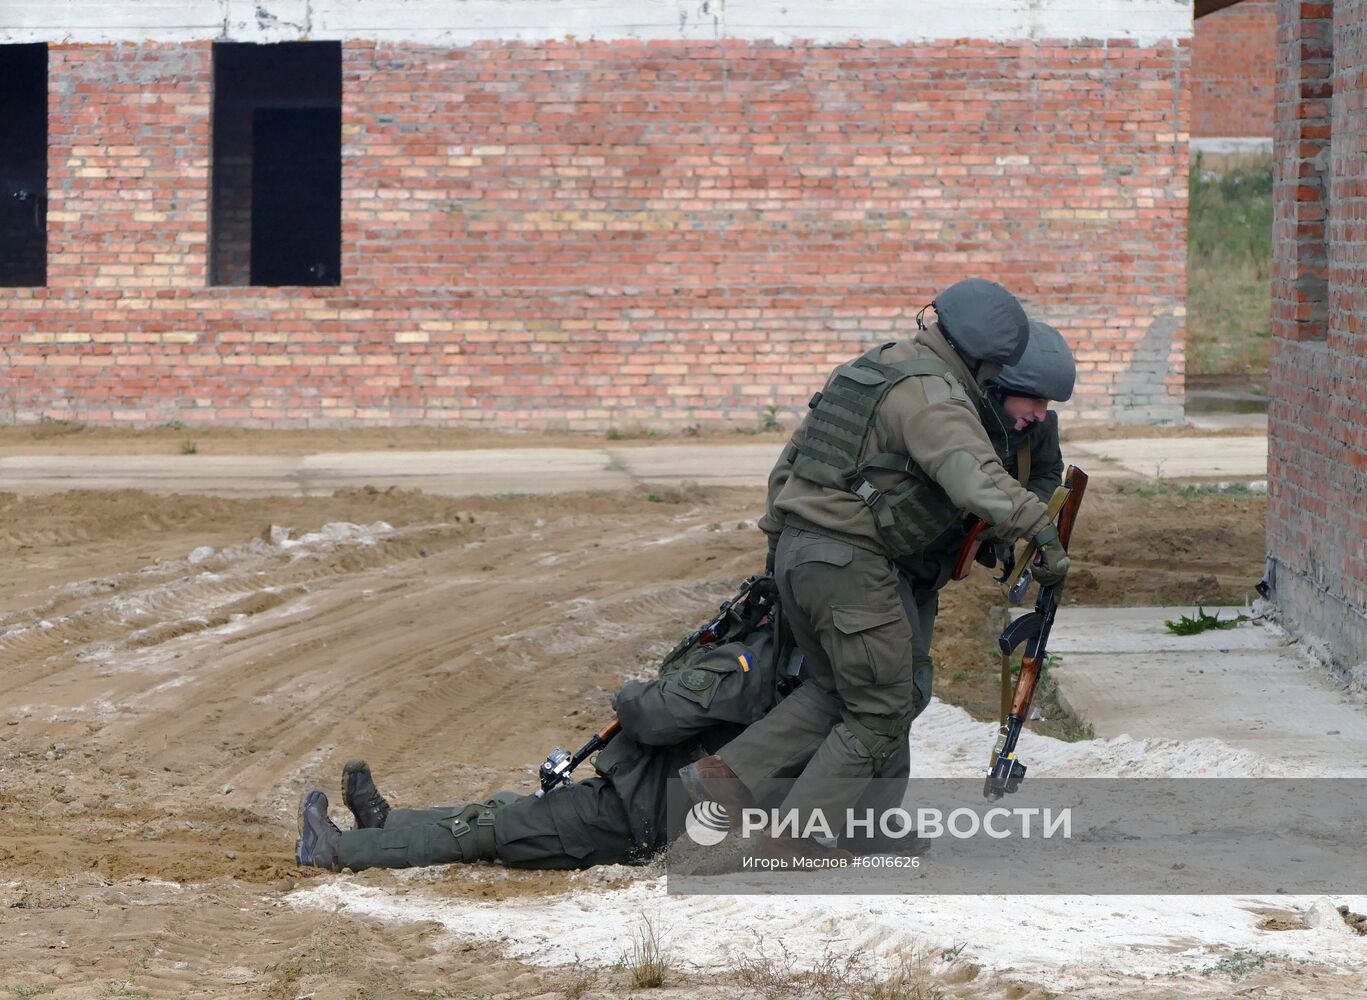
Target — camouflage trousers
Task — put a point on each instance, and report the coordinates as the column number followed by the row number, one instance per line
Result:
column 578, row 826
column 865, row 637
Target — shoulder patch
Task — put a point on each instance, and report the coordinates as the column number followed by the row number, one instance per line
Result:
column 697, row 680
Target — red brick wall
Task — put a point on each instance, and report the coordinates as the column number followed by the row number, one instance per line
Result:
column 1233, row 71
column 595, row 234
column 1317, row 516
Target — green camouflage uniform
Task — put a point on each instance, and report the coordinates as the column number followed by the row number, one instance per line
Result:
column 704, row 698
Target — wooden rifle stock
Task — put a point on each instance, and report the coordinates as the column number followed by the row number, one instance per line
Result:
column 1005, row 772
column 969, row 550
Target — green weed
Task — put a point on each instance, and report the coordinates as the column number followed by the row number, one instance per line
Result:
column 1202, row 623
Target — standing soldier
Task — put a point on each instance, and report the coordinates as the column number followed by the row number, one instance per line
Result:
column 1024, row 432
column 879, row 474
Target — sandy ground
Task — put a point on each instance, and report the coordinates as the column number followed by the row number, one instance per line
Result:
column 175, row 671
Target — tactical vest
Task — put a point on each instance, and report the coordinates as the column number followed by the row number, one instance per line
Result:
column 913, row 515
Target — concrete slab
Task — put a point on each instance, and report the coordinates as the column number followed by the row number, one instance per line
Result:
column 449, row 473
column 547, row 470
column 1126, row 674
column 1253, row 423
column 1241, row 459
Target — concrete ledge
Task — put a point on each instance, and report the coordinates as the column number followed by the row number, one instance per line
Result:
column 458, row 22
column 1252, row 687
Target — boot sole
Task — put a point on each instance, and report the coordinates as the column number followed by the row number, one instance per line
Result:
column 300, row 847
column 353, row 767
column 349, row 768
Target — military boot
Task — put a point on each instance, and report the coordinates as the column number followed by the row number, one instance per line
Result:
column 362, row 797
column 319, row 838
column 711, row 779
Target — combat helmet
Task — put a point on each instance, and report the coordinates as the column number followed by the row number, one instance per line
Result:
column 982, row 321
column 1045, row 371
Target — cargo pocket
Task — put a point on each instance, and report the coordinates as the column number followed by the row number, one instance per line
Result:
column 874, row 648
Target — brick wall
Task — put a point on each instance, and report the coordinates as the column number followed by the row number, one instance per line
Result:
column 1233, row 71
column 611, row 233
column 1317, row 516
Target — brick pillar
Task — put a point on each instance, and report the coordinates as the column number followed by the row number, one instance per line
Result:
column 1317, row 420
column 1305, row 45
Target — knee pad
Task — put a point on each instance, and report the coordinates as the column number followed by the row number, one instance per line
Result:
column 473, row 830
column 879, row 735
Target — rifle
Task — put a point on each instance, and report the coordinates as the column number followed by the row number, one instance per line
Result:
column 1005, row 772
column 555, row 769
column 968, row 552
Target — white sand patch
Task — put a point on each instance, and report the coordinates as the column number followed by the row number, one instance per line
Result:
column 1066, row 940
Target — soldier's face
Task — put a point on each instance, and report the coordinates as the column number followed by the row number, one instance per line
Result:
column 1025, row 410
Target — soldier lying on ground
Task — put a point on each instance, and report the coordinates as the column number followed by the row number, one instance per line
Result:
column 706, row 693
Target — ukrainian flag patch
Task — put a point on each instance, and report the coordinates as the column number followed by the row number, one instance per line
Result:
column 744, row 661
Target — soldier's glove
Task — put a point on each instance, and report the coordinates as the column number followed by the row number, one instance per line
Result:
column 1053, row 566
column 769, row 561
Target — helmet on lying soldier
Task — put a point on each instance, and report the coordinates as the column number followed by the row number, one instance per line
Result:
column 1045, row 371
column 982, row 321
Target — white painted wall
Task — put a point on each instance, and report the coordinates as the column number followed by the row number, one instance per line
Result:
column 459, row 22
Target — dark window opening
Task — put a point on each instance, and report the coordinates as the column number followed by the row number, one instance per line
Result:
column 23, row 165
column 277, row 188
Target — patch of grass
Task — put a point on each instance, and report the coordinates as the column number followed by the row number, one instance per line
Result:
column 850, row 976
column 769, row 422
column 1229, row 259
column 1239, row 965
column 1202, row 623
column 1188, row 491
column 648, row 963
column 189, row 448
column 31, row 991
column 174, row 425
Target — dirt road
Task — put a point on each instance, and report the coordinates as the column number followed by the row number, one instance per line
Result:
column 174, row 671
